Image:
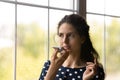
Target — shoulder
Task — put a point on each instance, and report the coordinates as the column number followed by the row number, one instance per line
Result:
column 100, row 73
column 46, row 66
column 44, row 69
column 47, row 63
column 100, row 68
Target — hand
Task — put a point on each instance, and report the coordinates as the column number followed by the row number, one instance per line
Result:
column 91, row 70
column 58, row 61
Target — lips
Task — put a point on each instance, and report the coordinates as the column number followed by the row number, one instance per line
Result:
column 66, row 47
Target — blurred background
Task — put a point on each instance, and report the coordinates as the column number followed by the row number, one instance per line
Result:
column 27, row 29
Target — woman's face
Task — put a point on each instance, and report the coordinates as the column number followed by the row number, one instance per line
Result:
column 69, row 38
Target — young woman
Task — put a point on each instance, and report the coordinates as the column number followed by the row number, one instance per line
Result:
column 78, row 60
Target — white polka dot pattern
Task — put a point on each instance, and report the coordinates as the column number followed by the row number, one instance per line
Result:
column 78, row 76
column 75, row 72
column 68, row 70
column 65, row 73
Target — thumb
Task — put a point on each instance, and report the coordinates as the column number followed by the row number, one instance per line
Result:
column 54, row 56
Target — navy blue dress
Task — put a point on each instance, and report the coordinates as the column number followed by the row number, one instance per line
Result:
column 65, row 73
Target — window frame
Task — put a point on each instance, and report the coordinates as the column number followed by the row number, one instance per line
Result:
column 80, row 10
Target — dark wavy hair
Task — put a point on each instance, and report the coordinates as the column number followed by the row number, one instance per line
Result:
column 88, row 52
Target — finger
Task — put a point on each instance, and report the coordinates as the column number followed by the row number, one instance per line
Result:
column 89, row 63
column 55, row 53
column 95, row 61
column 92, row 66
column 64, row 54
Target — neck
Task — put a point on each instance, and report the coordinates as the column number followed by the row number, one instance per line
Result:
column 74, row 61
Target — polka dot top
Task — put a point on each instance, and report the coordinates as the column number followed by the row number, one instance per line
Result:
column 65, row 73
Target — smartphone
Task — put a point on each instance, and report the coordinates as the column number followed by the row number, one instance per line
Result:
column 59, row 48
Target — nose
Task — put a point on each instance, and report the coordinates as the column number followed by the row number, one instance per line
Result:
column 65, row 40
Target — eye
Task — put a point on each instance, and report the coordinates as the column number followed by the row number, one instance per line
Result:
column 60, row 35
column 71, row 36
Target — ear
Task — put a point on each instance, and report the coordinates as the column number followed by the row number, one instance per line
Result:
column 83, row 38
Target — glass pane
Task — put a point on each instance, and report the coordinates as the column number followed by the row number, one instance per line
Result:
column 96, row 24
column 75, row 4
column 112, row 37
column 6, row 41
column 10, row 0
column 67, row 4
column 95, row 6
column 32, row 42
column 53, row 25
column 112, row 7
column 113, row 48
column 39, row 2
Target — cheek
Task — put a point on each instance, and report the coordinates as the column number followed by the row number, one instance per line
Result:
column 76, row 45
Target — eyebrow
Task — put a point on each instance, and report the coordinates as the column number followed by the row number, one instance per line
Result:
column 68, row 32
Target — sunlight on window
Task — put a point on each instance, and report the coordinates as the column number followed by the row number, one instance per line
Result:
column 68, row 4
column 95, row 6
column 38, row 2
column 113, row 49
column 32, row 41
column 6, row 41
column 36, row 25
column 105, row 34
column 112, row 7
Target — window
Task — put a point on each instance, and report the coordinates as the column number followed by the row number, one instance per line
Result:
column 104, row 19
column 27, row 35
column 31, row 41
column 7, row 40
